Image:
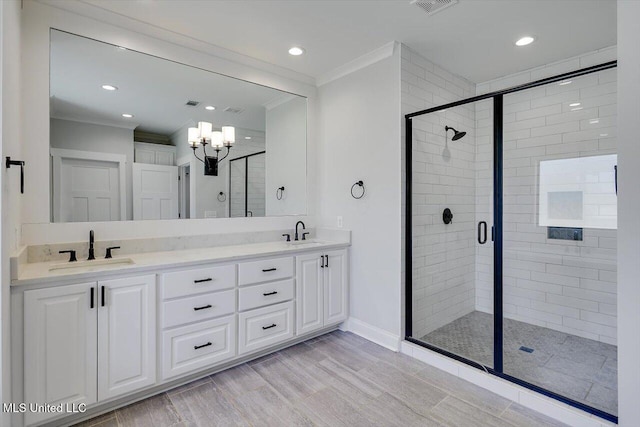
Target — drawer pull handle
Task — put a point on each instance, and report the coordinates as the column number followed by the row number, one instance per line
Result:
column 266, row 270
column 196, row 347
column 208, row 279
column 269, row 327
column 203, row 307
column 270, row 293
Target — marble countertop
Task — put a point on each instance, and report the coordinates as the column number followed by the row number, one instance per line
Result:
column 55, row 272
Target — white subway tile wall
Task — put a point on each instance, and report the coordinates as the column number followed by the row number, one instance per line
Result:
column 443, row 177
column 568, row 286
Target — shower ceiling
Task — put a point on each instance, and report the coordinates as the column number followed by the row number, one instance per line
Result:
column 335, row 32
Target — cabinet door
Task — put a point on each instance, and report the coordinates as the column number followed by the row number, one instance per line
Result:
column 126, row 335
column 336, row 292
column 59, row 347
column 166, row 158
column 309, row 294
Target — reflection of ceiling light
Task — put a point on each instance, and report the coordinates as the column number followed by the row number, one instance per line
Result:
column 604, row 134
column 523, row 41
column 122, row 48
column 127, row 115
column 564, row 83
column 594, row 121
column 576, row 109
column 247, row 137
column 109, row 87
column 296, row 51
column 574, row 104
column 210, row 107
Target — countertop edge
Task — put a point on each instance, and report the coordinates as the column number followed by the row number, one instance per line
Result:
column 141, row 269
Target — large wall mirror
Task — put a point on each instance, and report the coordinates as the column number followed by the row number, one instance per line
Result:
column 136, row 137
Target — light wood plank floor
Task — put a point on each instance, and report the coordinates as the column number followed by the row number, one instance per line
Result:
column 338, row 379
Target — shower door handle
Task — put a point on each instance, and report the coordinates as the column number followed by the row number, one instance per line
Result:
column 482, row 237
column 615, row 172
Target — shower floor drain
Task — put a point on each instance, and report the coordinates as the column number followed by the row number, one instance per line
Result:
column 526, row 349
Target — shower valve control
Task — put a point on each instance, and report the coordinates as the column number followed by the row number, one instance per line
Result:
column 447, row 216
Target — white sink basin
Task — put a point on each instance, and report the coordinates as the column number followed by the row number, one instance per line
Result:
column 98, row 264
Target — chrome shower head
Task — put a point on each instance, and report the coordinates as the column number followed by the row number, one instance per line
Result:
column 456, row 135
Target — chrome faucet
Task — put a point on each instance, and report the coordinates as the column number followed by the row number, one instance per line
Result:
column 91, row 240
column 303, row 228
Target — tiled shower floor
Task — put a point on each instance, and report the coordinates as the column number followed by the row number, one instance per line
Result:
column 579, row 368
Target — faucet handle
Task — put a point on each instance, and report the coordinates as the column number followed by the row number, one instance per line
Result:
column 72, row 255
column 304, row 235
column 288, row 236
column 108, row 255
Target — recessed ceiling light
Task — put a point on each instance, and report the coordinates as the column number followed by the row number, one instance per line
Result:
column 523, row 41
column 296, row 51
column 127, row 115
column 109, row 87
column 564, row 83
column 210, row 107
column 574, row 104
column 247, row 137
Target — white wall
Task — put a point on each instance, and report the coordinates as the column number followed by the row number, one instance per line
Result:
column 628, row 208
column 564, row 285
column 73, row 135
column 286, row 128
column 10, row 145
column 443, row 177
column 38, row 18
column 360, row 134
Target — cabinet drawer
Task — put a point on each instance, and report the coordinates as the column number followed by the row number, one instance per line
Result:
column 198, row 281
column 197, row 346
column 265, row 270
column 264, row 327
column 265, row 294
column 199, row 307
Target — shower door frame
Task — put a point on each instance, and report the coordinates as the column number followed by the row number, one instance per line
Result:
column 246, row 182
column 497, row 369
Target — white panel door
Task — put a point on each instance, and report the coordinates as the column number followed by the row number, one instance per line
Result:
column 155, row 191
column 336, row 296
column 60, row 343
column 309, row 294
column 126, row 335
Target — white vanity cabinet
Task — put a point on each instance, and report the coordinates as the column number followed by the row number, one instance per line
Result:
column 197, row 314
column 98, row 341
column 321, row 290
column 126, row 335
column 88, row 342
column 60, row 347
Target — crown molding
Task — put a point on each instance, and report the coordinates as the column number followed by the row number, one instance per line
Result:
column 363, row 61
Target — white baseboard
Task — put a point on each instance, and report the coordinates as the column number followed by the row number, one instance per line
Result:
column 528, row 398
column 372, row 333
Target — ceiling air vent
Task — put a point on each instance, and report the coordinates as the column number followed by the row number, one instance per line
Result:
column 233, row 110
column 433, row 6
column 192, row 103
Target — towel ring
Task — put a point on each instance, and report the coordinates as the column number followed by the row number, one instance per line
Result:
column 222, row 197
column 361, row 185
column 280, row 193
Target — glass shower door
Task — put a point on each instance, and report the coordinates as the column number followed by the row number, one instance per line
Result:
column 452, row 255
column 560, row 215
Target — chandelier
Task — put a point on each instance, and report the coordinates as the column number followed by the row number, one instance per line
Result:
column 204, row 135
